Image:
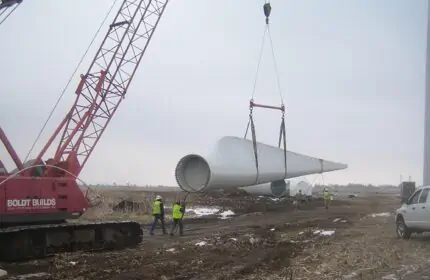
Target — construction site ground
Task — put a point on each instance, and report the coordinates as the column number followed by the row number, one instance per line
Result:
column 266, row 239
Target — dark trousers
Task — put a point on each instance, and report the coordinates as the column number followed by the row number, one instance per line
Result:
column 177, row 222
column 326, row 203
column 154, row 223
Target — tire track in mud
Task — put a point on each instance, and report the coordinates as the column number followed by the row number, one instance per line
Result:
column 256, row 248
column 231, row 255
column 226, row 260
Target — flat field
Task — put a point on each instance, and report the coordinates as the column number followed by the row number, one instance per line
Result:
column 264, row 239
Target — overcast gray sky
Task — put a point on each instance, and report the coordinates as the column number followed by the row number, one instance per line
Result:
column 352, row 76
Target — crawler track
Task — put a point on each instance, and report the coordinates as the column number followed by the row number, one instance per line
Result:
column 38, row 241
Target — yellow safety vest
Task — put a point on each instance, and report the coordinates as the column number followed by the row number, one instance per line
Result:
column 177, row 214
column 156, row 208
column 326, row 195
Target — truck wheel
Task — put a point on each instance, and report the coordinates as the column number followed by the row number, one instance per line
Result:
column 402, row 230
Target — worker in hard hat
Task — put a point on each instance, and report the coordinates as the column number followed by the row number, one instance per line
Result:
column 178, row 212
column 327, row 197
column 158, row 213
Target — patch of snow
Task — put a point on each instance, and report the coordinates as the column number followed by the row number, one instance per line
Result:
column 300, row 241
column 390, row 277
column 170, row 250
column 234, row 239
column 272, row 229
column 201, row 243
column 386, row 214
column 226, row 214
column 327, row 232
column 336, row 220
column 38, row 275
column 203, row 211
column 274, row 199
column 343, row 221
column 324, row 232
column 73, row 263
column 302, row 232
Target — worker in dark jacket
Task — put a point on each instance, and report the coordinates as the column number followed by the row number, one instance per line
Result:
column 158, row 213
column 177, row 215
column 299, row 199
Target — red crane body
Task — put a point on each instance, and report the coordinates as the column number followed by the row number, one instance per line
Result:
column 44, row 193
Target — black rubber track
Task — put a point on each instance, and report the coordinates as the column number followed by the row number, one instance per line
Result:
column 31, row 242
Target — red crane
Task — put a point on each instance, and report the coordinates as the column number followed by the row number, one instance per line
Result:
column 7, row 7
column 38, row 197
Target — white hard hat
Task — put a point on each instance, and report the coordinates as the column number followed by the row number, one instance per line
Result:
column 158, row 197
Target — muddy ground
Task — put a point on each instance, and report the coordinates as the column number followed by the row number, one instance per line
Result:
column 267, row 239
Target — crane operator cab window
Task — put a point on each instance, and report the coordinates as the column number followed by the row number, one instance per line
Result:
column 3, row 171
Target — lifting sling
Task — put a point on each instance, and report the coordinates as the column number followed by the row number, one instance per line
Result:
column 282, row 132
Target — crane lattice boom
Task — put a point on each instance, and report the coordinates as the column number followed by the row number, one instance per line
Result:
column 105, row 84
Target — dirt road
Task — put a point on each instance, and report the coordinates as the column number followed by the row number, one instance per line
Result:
column 345, row 242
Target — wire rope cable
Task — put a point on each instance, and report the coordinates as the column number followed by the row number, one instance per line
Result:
column 70, row 79
column 267, row 31
column 275, row 65
column 259, row 62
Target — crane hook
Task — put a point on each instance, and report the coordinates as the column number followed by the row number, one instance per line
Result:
column 267, row 9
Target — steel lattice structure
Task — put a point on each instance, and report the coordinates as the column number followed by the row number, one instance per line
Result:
column 39, row 198
column 106, row 82
column 7, row 7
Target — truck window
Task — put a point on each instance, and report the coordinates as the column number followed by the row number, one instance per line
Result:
column 423, row 196
column 414, row 198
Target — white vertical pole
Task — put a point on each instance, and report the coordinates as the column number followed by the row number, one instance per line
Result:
column 426, row 169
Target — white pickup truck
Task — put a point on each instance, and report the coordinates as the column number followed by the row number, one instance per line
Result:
column 414, row 215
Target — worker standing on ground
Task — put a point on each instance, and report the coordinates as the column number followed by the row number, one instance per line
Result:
column 177, row 215
column 326, row 196
column 158, row 213
column 299, row 198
